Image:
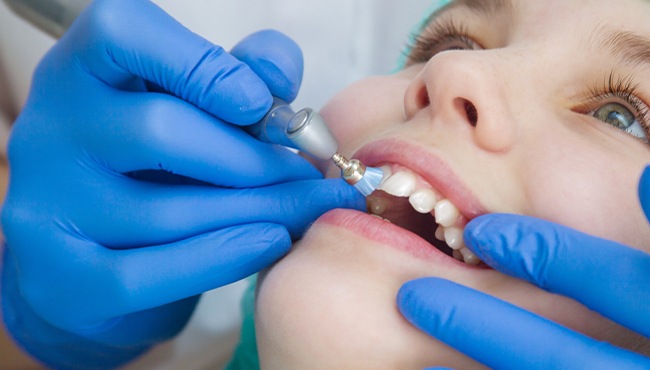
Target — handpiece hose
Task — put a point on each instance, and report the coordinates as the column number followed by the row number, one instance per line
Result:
column 53, row 17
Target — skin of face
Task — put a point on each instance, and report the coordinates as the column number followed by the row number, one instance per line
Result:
column 533, row 149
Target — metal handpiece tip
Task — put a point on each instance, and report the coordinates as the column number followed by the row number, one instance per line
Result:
column 364, row 179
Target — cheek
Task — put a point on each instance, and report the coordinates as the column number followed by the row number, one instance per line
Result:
column 361, row 111
column 589, row 189
column 343, row 115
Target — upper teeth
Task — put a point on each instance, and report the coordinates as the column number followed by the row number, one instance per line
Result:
column 402, row 182
column 423, row 200
column 446, row 213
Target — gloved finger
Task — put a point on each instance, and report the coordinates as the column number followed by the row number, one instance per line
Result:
column 141, row 213
column 192, row 266
column 276, row 59
column 599, row 273
column 36, row 334
column 177, row 137
column 120, row 282
column 501, row 335
column 121, row 39
column 644, row 191
column 147, row 327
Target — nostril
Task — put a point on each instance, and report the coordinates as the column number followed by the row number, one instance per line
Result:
column 416, row 99
column 471, row 112
column 423, row 98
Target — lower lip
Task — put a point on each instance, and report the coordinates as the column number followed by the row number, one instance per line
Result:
column 383, row 232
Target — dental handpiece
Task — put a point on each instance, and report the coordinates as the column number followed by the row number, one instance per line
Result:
column 306, row 131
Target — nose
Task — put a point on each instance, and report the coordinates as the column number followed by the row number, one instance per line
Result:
column 470, row 88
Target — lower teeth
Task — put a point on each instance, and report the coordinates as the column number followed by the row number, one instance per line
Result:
column 379, row 217
column 469, row 257
column 440, row 233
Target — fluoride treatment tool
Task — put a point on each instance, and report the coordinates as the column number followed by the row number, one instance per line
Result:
column 306, row 131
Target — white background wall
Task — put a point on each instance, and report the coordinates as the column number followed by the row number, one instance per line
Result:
column 342, row 41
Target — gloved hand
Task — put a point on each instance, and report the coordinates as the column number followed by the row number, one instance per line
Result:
column 132, row 189
column 614, row 282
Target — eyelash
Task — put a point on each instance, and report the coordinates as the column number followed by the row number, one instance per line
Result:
column 621, row 88
column 434, row 36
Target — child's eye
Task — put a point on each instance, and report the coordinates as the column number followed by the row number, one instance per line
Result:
column 620, row 117
column 617, row 104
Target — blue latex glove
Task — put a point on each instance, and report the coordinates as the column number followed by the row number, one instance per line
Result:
column 125, row 204
column 614, row 282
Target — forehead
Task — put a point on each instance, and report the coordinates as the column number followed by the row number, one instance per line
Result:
column 632, row 15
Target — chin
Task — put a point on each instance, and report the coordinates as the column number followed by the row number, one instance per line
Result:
column 330, row 303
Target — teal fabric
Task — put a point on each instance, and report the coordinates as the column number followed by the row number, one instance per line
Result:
column 245, row 356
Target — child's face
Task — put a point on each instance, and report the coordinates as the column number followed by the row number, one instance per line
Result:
column 517, row 126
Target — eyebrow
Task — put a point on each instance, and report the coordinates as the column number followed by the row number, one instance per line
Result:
column 486, row 8
column 632, row 48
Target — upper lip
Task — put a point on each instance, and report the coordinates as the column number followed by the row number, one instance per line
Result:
column 430, row 167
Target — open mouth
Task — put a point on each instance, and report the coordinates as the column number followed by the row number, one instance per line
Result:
column 405, row 199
